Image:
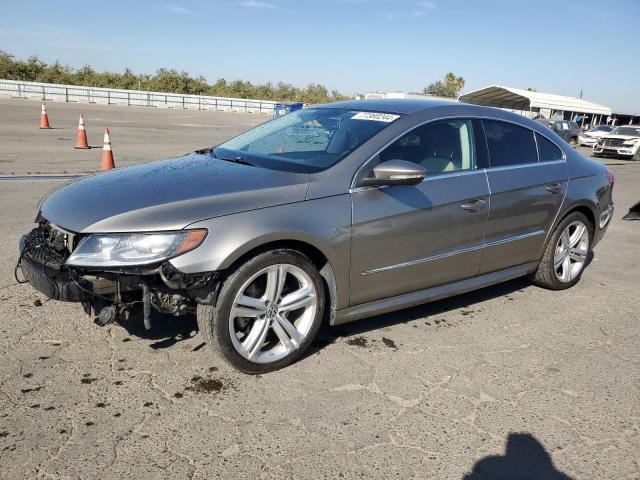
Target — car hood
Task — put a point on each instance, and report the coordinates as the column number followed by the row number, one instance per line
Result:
column 168, row 195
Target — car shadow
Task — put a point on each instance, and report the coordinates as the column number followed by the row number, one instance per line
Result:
column 525, row 458
column 166, row 330
column 328, row 335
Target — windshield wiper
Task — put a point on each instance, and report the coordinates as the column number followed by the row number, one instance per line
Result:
column 236, row 159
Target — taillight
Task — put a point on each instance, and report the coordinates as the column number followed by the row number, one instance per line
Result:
column 611, row 177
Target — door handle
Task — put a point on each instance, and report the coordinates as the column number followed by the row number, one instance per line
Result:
column 554, row 188
column 473, row 205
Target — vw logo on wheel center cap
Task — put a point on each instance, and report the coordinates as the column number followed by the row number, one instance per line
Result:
column 272, row 310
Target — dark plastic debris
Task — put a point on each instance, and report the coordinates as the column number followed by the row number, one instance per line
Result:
column 634, row 213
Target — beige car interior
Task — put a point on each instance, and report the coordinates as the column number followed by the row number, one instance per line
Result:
column 438, row 147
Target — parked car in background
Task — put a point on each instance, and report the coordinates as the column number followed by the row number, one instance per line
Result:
column 622, row 141
column 379, row 206
column 569, row 131
column 591, row 136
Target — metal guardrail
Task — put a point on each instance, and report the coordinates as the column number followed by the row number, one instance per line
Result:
column 140, row 98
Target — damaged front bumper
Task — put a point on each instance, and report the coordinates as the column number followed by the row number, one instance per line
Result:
column 55, row 284
column 115, row 291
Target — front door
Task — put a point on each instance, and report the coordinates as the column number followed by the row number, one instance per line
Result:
column 408, row 238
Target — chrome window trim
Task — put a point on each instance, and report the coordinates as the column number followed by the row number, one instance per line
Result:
column 411, row 263
column 522, row 165
column 461, row 117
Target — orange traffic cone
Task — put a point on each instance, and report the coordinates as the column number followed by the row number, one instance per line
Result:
column 81, row 136
column 107, row 154
column 44, row 119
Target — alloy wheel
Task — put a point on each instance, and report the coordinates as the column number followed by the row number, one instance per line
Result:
column 273, row 313
column 571, row 251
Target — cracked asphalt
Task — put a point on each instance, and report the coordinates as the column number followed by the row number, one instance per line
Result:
column 510, row 381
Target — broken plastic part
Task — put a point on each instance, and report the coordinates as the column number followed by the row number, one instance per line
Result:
column 106, row 316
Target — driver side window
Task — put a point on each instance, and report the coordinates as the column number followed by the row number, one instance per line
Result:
column 439, row 147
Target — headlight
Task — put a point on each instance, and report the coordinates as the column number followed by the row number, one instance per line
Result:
column 633, row 141
column 106, row 250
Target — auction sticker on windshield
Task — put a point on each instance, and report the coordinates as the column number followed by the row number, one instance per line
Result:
column 377, row 117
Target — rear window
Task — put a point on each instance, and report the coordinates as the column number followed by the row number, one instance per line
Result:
column 547, row 150
column 509, row 144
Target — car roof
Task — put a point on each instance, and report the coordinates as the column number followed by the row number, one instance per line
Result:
column 388, row 105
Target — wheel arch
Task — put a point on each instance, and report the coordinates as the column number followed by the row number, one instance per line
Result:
column 585, row 208
column 305, row 247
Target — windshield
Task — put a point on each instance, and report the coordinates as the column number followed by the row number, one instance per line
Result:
column 601, row 128
column 309, row 140
column 632, row 131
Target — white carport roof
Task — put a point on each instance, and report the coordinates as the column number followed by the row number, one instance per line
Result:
column 517, row 99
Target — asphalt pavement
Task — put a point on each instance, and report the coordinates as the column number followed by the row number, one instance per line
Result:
column 510, row 381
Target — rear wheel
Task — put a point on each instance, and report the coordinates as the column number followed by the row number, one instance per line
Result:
column 268, row 312
column 573, row 142
column 566, row 253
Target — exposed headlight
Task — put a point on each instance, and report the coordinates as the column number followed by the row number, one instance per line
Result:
column 106, row 250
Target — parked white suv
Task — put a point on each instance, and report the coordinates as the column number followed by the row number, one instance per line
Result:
column 590, row 137
column 622, row 141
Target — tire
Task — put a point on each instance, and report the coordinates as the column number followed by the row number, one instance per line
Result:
column 636, row 156
column 573, row 142
column 549, row 274
column 256, row 281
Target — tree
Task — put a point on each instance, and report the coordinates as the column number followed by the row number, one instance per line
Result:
column 164, row 80
column 450, row 86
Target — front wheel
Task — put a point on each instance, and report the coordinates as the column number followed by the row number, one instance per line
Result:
column 566, row 254
column 268, row 312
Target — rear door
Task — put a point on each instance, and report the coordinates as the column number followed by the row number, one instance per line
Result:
column 527, row 177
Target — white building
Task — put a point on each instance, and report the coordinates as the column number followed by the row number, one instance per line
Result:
column 397, row 95
column 532, row 104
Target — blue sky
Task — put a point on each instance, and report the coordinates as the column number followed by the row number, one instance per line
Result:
column 556, row 46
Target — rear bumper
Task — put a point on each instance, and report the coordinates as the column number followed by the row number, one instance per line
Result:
column 603, row 223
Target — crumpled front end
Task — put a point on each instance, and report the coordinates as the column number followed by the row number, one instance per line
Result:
column 110, row 294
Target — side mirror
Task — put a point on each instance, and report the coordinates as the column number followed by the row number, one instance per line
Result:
column 395, row 172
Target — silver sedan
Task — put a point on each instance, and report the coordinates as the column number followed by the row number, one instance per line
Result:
column 332, row 213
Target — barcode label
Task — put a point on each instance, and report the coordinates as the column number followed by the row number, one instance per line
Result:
column 376, row 117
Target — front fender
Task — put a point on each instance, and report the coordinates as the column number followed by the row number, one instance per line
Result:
column 323, row 223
